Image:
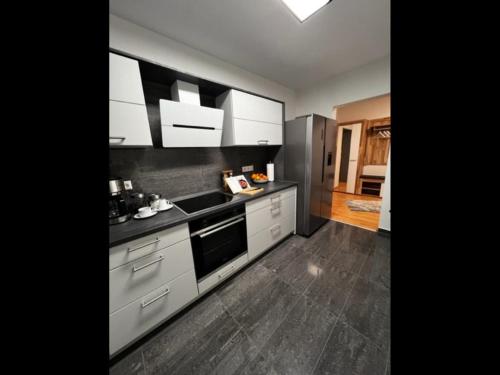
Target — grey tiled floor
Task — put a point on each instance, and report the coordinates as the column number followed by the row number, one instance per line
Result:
column 310, row 306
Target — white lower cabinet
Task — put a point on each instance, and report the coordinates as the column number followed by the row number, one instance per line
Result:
column 221, row 274
column 269, row 220
column 153, row 277
column 263, row 240
column 269, row 215
column 135, row 279
column 140, row 316
column 135, row 249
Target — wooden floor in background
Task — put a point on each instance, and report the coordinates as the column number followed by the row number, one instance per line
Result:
column 341, row 212
column 342, row 186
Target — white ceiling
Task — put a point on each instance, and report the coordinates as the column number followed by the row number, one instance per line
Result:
column 263, row 36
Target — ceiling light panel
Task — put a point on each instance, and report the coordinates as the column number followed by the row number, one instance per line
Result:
column 303, row 9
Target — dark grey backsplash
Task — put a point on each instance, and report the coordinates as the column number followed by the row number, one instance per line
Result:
column 174, row 172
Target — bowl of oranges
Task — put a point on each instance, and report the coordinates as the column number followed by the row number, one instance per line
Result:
column 259, row 178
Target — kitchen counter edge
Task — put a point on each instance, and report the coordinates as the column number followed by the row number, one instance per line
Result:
column 132, row 229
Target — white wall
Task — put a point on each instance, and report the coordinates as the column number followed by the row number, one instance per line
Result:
column 385, row 215
column 140, row 42
column 364, row 82
column 368, row 109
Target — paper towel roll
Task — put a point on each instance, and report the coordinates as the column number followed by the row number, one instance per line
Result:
column 270, row 171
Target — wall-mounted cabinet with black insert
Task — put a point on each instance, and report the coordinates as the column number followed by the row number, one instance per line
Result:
column 128, row 119
column 251, row 120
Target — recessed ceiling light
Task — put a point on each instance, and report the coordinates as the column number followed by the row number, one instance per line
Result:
column 303, row 9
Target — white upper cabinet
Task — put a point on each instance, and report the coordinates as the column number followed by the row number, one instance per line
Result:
column 128, row 125
column 128, row 117
column 251, row 107
column 125, row 83
column 250, row 120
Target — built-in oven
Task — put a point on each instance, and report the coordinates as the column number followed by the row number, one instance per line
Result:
column 217, row 239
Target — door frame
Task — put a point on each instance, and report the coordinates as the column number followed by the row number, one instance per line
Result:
column 361, row 153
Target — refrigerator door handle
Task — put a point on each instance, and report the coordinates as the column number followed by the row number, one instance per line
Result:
column 323, row 166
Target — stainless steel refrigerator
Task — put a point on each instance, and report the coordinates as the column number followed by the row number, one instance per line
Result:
column 310, row 147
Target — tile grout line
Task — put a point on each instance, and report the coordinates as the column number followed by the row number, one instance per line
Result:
column 338, row 318
column 144, row 362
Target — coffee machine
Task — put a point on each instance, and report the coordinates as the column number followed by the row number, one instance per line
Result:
column 118, row 201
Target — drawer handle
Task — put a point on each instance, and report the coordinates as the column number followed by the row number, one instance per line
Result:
column 144, row 245
column 222, row 275
column 135, row 269
column 276, row 197
column 275, row 210
column 273, row 228
column 121, row 139
column 144, row 304
column 263, row 142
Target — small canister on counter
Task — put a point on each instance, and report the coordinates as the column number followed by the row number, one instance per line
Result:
column 136, row 201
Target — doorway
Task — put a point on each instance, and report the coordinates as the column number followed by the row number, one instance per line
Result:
column 348, row 146
column 344, row 159
column 363, row 143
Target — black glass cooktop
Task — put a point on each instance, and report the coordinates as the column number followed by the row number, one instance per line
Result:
column 203, row 202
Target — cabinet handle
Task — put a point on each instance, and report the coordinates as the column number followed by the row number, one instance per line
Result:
column 222, row 275
column 121, row 138
column 263, row 141
column 273, row 228
column 144, row 245
column 135, row 269
column 274, row 209
column 144, row 304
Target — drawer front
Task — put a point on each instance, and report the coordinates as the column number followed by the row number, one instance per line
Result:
column 216, row 277
column 252, row 107
column 255, row 133
column 143, row 314
column 268, row 216
column 137, row 278
column 269, row 200
column 129, row 251
column 263, row 240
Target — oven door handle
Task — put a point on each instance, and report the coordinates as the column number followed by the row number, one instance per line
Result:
column 203, row 235
column 194, row 234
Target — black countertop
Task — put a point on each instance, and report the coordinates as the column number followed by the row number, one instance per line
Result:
column 132, row 229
